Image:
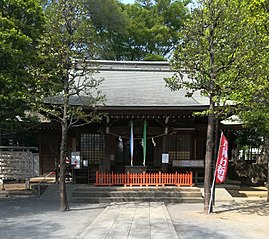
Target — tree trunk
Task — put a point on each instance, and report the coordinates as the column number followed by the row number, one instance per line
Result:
column 208, row 157
column 214, row 160
column 64, row 152
column 211, row 116
column 267, row 179
column 63, row 155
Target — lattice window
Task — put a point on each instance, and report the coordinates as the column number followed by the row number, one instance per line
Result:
column 92, row 148
column 179, row 146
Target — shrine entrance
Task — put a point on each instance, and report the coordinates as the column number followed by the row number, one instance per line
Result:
column 123, row 155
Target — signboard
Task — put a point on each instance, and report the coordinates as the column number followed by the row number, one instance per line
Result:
column 188, row 163
column 222, row 162
column 165, row 158
column 75, row 159
column 85, row 163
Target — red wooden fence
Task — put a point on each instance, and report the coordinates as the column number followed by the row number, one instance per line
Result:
column 143, row 179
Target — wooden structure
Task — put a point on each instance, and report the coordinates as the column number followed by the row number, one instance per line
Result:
column 144, row 179
column 17, row 163
column 136, row 100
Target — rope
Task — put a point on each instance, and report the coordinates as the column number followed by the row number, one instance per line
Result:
column 123, row 137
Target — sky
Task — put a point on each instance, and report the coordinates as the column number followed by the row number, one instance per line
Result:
column 127, row 1
column 132, row 1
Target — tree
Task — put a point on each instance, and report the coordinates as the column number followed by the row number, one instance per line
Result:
column 146, row 30
column 253, row 95
column 153, row 28
column 66, row 87
column 110, row 24
column 21, row 26
column 215, row 54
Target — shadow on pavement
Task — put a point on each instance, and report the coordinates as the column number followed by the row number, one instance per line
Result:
column 195, row 231
column 34, row 218
column 248, row 207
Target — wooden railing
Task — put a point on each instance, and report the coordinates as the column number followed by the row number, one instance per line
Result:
column 144, row 179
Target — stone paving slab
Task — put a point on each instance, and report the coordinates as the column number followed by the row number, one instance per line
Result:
column 40, row 218
column 132, row 220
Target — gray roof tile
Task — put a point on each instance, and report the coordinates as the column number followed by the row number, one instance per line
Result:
column 142, row 84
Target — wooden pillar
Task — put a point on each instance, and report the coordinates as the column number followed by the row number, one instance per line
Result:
column 74, row 144
column 165, row 145
column 2, row 184
column 41, row 143
column 196, row 177
column 108, row 139
column 27, row 184
column 165, row 150
column 107, row 153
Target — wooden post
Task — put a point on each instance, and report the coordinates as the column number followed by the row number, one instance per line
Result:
column 27, row 184
column 165, row 150
column 165, row 144
column 2, row 184
column 96, row 178
column 191, row 184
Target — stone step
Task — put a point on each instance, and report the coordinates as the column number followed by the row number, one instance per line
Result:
column 135, row 194
column 91, row 194
column 137, row 199
column 86, row 188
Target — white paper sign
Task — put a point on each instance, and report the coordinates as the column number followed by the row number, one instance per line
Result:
column 165, row 158
column 188, row 163
column 75, row 159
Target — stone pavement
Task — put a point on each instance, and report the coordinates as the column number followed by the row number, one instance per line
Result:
column 40, row 218
column 132, row 220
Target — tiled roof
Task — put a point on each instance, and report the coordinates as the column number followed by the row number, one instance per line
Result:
column 141, row 84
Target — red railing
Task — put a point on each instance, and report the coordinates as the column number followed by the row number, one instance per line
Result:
column 144, row 179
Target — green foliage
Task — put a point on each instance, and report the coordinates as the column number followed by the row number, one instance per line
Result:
column 21, row 25
column 66, row 87
column 106, row 15
column 110, row 24
column 153, row 28
column 216, row 52
column 132, row 31
column 253, row 94
column 153, row 57
column 65, row 80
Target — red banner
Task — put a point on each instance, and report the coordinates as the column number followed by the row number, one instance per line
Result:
column 222, row 162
